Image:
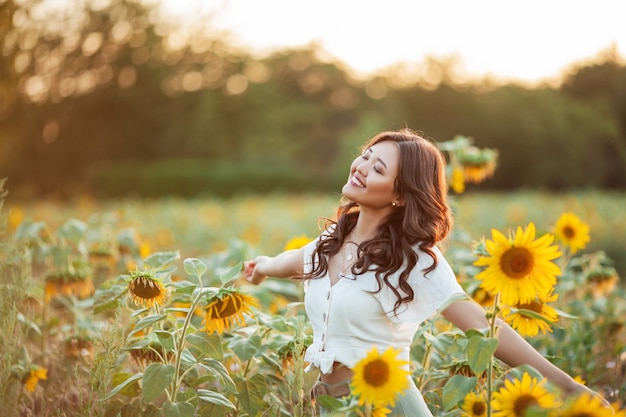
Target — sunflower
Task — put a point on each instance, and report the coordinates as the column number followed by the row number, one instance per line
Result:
column 572, row 232
column 476, row 173
column 75, row 281
column 462, row 367
column 145, row 288
column 519, row 267
column 225, row 308
column 380, row 411
column 527, row 324
column 79, row 346
column 152, row 353
column 475, row 405
column 483, row 297
column 478, row 164
column 457, row 180
column 602, row 281
column 516, row 397
column 379, row 378
column 32, row 378
column 586, row 405
column 297, row 242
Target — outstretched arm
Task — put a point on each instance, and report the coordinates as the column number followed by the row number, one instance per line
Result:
column 512, row 348
column 284, row 265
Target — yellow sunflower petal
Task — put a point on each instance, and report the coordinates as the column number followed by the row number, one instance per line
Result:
column 517, row 396
column 379, row 378
column 587, row 405
column 519, row 268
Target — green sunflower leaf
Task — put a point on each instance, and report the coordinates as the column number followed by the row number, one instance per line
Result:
column 160, row 259
column 215, row 398
column 156, row 378
column 251, row 392
column 194, row 267
column 180, row 409
column 457, row 387
column 479, row 352
column 231, row 274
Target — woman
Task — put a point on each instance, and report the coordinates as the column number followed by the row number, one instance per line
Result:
column 376, row 274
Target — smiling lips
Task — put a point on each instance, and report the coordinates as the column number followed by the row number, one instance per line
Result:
column 355, row 181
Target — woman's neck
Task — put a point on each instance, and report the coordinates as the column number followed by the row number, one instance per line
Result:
column 366, row 228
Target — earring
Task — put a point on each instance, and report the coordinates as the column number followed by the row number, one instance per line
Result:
column 394, row 204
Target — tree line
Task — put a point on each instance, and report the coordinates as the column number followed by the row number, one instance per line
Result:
column 109, row 101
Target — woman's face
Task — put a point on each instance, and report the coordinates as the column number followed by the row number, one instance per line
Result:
column 372, row 176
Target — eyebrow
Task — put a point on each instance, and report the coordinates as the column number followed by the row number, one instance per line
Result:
column 377, row 158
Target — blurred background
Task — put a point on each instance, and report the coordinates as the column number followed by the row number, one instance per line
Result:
column 148, row 98
column 123, row 101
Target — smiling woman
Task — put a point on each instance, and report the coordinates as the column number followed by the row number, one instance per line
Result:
column 491, row 38
column 376, row 273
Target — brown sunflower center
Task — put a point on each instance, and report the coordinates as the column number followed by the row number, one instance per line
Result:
column 144, row 287
column 517, row 263
column 226, row 307
column 569, row 232
column 522, row 403
column 583, row 414
column 479, row 408
column 376, row 373
column 535, row 306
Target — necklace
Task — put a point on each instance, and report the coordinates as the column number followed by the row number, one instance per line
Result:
column 347, row 262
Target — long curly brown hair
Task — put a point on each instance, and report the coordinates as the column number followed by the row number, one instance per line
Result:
column 424, row 220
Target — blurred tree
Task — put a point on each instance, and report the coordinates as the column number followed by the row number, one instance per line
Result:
column 604, row 83
column 107, row 94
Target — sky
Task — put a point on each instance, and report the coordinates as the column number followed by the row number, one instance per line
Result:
column 527, row 41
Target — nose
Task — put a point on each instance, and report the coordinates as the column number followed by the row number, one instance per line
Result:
column 362, row 168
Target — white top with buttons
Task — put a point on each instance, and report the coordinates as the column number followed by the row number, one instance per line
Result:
column 348, row 320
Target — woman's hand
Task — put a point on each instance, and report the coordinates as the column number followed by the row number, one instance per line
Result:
column 253, row 269
column 283, row 265
column 577, row 388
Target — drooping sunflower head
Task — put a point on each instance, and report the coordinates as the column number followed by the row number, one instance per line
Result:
column 572, row 232
column 461, row 367
column 586, row 405
column 519, row 267
column 477, row 173
column 475, row 405
column 379, row 378
column 293, row 351
column 145, row 288
column 75, row 279
column 531, row 317
column 478, row 164
column 153, row 352
column 227, row 307
column 602, row 281
column 516, row 397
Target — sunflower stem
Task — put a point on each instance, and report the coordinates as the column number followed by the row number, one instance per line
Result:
column 181, row 344
column 425, row 361
column 492, row 333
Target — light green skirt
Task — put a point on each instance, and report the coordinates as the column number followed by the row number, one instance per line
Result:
column 411, row 404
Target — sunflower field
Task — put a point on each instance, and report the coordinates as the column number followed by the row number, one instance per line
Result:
column 124, row 308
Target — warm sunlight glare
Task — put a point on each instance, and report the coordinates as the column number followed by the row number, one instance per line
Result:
column 525, row 41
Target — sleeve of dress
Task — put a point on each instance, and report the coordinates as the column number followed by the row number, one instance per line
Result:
column 308, row 250
column 308, row 255
column 431, row 291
